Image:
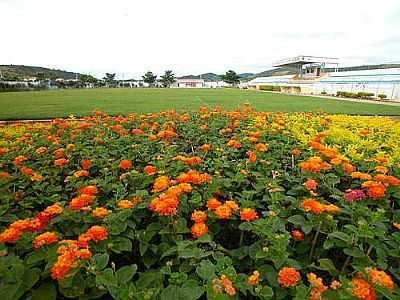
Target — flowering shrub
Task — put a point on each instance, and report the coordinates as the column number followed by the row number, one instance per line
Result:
column 202, row 205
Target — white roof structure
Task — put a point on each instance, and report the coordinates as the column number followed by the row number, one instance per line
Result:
column 301, row 60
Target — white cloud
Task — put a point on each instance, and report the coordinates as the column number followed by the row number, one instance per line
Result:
column 130, row 37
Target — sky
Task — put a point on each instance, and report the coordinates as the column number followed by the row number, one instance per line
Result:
column 130, row 37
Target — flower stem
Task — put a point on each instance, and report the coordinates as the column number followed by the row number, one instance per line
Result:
column 314, row 242
column 241, row 238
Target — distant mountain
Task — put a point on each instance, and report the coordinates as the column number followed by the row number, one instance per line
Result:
column 205, row 76
column 21, row 71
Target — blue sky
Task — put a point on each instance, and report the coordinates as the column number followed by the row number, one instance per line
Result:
column 130, row 37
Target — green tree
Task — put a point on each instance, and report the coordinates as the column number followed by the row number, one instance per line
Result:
column 149, row 78
column 87, row 78
column 168, row 78
column 109, row 78
column 231, row 77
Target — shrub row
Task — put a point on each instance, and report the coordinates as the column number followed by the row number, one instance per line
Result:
column 359, row 95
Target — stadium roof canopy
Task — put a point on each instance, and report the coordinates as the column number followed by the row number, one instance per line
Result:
column 299, row 61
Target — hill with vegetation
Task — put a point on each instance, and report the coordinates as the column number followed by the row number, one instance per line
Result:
column 21, row 71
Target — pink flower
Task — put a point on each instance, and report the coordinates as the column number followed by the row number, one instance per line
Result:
column 354, row 195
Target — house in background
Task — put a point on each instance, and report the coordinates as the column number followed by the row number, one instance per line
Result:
column 198, row 83
column 188, row 83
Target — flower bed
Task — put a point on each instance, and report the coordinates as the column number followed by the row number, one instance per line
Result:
column 207, row 205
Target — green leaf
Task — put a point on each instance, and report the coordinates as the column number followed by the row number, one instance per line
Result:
column 172, row 292
column 8, row 291
column 126, row 273
column 191, row 290
column 30, row 277
column 100, row 260
column 121, row 244
column 106, row 278
column 355, row 252
column 206, row 270
column 326, row 264
column 35, row 257
column 297, row 220
column 266, row 292
column 47, row 291
column 341, row 236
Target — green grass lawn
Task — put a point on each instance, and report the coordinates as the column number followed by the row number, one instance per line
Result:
column 61, row 103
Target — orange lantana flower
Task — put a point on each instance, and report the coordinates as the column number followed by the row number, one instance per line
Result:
column 248, row 214
column 199, row 216
column 45, row 238
column 100, row 212
column 288, row 277
column 199, row 229
column 125, row 204
column 361, row 289
column 213, row 203
column 150, row 170
column 125, row 164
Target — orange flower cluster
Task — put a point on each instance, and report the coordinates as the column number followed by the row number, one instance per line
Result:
column 295, row 152
column 225, row 210
column 68, row 257
column 223, row 284
column 253, row 278
column 262, row 147
column 318, row 287
column 86, row 164
column 234, row 144
column 137, row 131
column 387, row 180
column 150, row 170
column 125, row 164
column 100, row 212
column 60, row 162
column 252, row 157
column 205, row 147
column 166, row 134
column 316, row 207
column 380, row 278
column 361, row 289
column 38, row 223
column 194, row 177
column 297, row 235
column 360, row 175
column 81, row 173
column 45, row 238
column 59, row 153
column 4, row 175
column 86, row 197
column 375, row 189
column 314, row 164
column 95, row 233
column 125, row 204
column 160, row 184
column 199, row 227
column 288, row 277
column 225, row 130
column 311, row 185
column 248, row 214
column 195, row 160
column 199, row 216
column 167, row 203
column 71, row 251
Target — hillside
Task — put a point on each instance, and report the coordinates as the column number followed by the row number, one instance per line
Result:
column 21, row 71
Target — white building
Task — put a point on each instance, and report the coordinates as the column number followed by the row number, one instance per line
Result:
column 311, row 79
column 198, row 83
column 188, row 83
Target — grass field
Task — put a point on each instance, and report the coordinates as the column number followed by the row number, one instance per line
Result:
column 61, row 103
